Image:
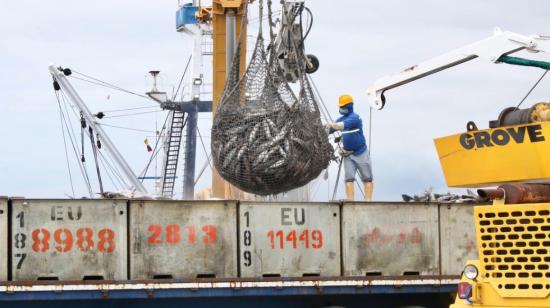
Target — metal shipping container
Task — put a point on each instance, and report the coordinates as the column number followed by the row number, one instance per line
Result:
column 390, row 239
column 458, row 237
column 69, row 239
column 289, row 239
column 183, row 239
column 3, row 239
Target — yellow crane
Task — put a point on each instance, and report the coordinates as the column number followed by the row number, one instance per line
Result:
column 513, row 234
column 226, row 20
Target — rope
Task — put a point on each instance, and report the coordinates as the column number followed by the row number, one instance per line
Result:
column 337, row 180
column 532, row 88
column 101, row 160
column 106, row 84
column 208, row 159
column 121, row 180
column 72, row 138
column 255, row 20
column 203, row 146
column 132, row 114
column 318, row 94
column 270, row 20
column 182, row 76
column 126, row 128
column 156, row 146
column 94, row 150
column 127, row 109
column 82, row 126
column 65, row 144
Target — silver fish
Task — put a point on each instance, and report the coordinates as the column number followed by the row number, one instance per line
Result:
column 229, row 158
column 231, row 142
column 282, row 152
column 299, row 141
column 278, row 164
column 256, row 114
column 286, row 145
column 235, row 130
column 220, row 150
column 275, row 140
column 261, row 158
column 254, row 133
column 237, row 171
column 241, row 152
column 267, row 130
column 271, row 125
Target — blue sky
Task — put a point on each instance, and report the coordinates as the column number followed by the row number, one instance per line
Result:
column 356, row 42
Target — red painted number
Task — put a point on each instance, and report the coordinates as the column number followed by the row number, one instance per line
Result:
column 307, row 238
column 84, row 239
column 317, row 239
column 63, row 239
column 386, row 236
column 291, row 237
column 174, row 234
column 192, row 234
column 210, row 234
column 106, row 240
column 40, row 238
column 154, row 238
column 304, row 237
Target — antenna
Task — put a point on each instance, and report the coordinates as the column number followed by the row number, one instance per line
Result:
column 155, row 75
column 155, row 94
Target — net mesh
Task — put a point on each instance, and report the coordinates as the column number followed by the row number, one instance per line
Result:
column 266, row 138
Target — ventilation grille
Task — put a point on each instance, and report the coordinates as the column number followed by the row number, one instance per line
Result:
column 514, row 248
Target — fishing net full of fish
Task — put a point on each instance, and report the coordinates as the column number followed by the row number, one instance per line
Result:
column 267, row 139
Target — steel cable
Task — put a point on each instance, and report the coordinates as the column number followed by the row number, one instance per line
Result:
column 65, row 145
column 532, row 88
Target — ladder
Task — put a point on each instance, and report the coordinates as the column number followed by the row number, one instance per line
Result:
column 172, row 150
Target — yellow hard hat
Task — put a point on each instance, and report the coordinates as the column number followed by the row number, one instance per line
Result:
column 344, row 100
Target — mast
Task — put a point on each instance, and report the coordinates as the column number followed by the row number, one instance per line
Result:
column 59, row 76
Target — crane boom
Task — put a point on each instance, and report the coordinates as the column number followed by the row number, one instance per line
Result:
column 87, row 114
column 501, row 43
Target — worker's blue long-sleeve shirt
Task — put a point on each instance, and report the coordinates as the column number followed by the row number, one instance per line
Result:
column 352, row 135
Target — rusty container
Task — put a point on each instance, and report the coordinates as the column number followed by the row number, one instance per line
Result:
column 69, row 239
column 458, row 237
column 390, row 239
column 183, row 239
column 3, row 239
column 289, row 239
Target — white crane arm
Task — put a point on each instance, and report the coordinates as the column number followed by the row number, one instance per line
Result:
column 88, row 116
column 492, row 48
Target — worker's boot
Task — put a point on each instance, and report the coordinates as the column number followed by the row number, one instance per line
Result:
column 368, row 190
column 349, row 191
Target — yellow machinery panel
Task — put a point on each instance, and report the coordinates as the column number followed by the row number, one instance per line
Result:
column 494, row 156
column 514, row 249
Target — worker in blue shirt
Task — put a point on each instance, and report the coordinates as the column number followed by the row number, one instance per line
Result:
column 354, row 152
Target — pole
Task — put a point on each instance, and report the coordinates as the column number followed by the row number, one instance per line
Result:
column 192, row 118
column 337, row 178
column 229, row 40
column 190, row 155
column 109, row 145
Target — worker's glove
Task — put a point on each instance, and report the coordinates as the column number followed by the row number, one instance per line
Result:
column 345, row 153
column 331, row 127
